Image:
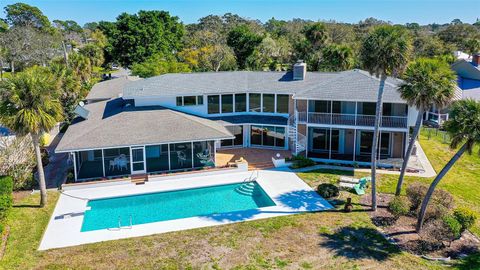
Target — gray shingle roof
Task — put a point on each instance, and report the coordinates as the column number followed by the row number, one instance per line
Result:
column 353, row 85
column 200, row 83
column 109, row 89
column 112, row 124
column 347, row 85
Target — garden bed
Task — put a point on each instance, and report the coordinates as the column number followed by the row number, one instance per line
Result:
column 402, row 232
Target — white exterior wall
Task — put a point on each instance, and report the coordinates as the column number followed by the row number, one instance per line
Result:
column 412, row 116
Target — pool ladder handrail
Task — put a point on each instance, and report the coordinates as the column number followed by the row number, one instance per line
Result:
column 120, row 224
column 251, row 178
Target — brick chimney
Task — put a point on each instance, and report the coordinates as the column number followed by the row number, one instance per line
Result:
column 476, row 59
column 299, row 70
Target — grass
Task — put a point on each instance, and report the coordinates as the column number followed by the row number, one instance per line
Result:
column 305, row 241
column 327, row 240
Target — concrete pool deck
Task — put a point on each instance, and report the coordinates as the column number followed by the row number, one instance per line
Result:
column 290, row 194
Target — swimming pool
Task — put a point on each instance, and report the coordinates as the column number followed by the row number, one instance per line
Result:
column 110, row 213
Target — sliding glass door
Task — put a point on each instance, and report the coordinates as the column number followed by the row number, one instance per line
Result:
column 268, row 136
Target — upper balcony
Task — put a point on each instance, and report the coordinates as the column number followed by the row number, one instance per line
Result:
column 351, row 119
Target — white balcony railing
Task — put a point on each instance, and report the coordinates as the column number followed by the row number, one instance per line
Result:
column 351, row 119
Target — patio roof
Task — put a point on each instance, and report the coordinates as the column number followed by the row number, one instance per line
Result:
column 116, row 123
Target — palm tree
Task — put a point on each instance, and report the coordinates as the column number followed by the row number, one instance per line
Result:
column 427, row 82
column 464, row 128
column 29, row 105
column 384, row 52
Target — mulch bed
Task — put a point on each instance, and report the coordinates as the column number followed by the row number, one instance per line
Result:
column 402, row 232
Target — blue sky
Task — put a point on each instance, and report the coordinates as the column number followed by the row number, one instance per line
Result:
column 397, row 11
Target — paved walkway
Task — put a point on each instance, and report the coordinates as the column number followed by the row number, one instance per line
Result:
column 56, row 171
column 421, row 157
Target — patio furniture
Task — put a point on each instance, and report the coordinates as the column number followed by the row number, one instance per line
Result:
column 362, row 185
column 182, row 157
column 111, row 166
column 359, row 185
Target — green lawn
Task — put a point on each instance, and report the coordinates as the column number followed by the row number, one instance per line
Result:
column 327, row 240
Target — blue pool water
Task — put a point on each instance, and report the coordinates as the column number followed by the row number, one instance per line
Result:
column 153, row 207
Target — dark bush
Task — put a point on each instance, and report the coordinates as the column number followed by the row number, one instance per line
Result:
column 453, row 225
column 399, row 206
column 439, row 230
column 327, row 190
column 301, row 162
column 465, row 217
column 384, row 221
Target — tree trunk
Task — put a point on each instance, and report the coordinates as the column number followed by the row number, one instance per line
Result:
column 65, row 54
column 376, row 135
column 12, row 67
column 406, row 158
column 1, row 70
column 434, row 184
column 41, row 174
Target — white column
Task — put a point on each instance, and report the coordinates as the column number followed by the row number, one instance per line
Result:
column 169, row 165
column 74, row 165
column 214, row 153
column 330, row 145
column 193, row 163
column 103, row 163
column 354, row 143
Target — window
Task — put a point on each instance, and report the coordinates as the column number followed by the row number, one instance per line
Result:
column 213, row 104
column 387, row 109
column 282, row 103
column 255, row 102
column 227, row 103
column 268, row 136
column 240, row 102
column 319, row 106
column 237, row 131
column 336, row 107
column 157, row 158
column 369, row 108
column 179, row 101
column 320, row 139
column 189, row 101
column 203, row 154
column 180, row 156
column 366, row 140
column 268, row 103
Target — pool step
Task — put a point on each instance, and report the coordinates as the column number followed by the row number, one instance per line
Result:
column 139, row 179
column 246, row 188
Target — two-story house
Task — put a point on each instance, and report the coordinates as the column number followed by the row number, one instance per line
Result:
column 178, row 121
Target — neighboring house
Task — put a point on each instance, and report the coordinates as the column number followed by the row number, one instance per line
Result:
column 6, row 136
column 468, row 85
column 178, row 121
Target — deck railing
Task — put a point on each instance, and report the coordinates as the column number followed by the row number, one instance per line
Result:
column 351, row 119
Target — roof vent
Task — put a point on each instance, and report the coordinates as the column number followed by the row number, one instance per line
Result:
column 299, row 70
column 81, row 111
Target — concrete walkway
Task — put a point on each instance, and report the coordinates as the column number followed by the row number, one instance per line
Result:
column 421, row 157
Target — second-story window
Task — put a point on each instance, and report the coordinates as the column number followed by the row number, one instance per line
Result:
column 255, row 101
column 268, row 103
column 213, row 104
column 189, row 100
column 282, row 103
column 227, row 103
column 240, row 102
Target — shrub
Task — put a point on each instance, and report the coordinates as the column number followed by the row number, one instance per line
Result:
column 453, row 225
column 465, row 217
column 415, row 193
column 6, row 197
column 439, row 205
column 301, row 162
column 399, row 206
column 327, row 190
column 440, row 230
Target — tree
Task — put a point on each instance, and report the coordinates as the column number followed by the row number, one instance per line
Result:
column 94, row 53
column 157, row 65
column 427, row 82
column 29, row 105
column 464, row 128
column 384, row 52
column 472, row 46
column 316, row 35
column 337, row 58
column 70, row 88
column 456, row 34
column 21, row 14
column 137, row 37
column 270, row 54
column 243, row 42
